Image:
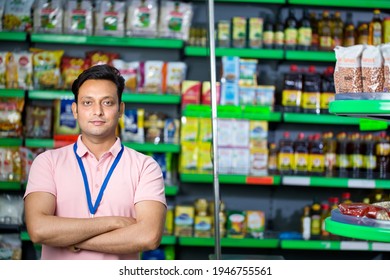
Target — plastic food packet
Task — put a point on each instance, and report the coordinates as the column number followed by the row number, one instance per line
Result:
column 10, row 165
column 372, row 69
column 48, row 16
column 142, row 16
column 17, row 15
column 71, row 68
column 39, row 122
column 385, row 50
column 46, row 65
column 151, row 76
column 100, row 57
column 2, row 69
column 11, row 117
column 175, row 20
column 24, row 61
column 129, row 71
column 110, row 18
column 348, row 72
column 78, row 17
column 364, row 210
column 175, row 75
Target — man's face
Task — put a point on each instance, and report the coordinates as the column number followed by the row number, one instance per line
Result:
column 98, row 109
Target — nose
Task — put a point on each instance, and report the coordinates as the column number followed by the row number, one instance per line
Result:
column 98, row 109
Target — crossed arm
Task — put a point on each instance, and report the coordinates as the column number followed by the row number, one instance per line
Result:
column 112, row 234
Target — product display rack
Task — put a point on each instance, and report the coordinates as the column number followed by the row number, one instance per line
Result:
column 275, row 117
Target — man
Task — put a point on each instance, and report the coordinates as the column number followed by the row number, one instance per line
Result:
column 95, row 199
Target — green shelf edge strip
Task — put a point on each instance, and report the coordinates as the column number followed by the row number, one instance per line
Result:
column 171, row 190
column 377, row 4
column 11, row 142
column 151, row 98
column 39, row 143
column 319, row 119
column 150, row 147
column 310, row 244
column 358, row 107
column 219, row 52
column 168, row 240
column 13, row 36
column 311, row 56
column 230, row 179
column 50, row 94
column 10, row 186
column 254, row 1
column 108, row 41
column 12, row 93
column 229, row 242
column 357, row 231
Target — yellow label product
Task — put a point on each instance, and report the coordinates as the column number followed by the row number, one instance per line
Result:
column 301, row 161
column 236, row 224
column 184, row 220
column 291, row 97
column 310, row 100
column 189, row 129
column 254, row 223
column 325, row 99
column 316, row 163
column 189, row 158
column 202, row 226
column 285, row 161
column 205, row 164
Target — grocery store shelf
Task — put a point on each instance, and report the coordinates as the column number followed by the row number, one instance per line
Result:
column 107, row 41
column 168, row 240
column 310, row 244
column 11, row 93
column 150, row 147
column 10, row 186
column 230, row 179
column 333, row 182
column 311, row 55
column 246, row 53
column 12, row 36
column 319, row 119
column 11, row 142
column 229, row 242
column 151, row 98
column 171, row 190
column 50, row 94
column 375, row 4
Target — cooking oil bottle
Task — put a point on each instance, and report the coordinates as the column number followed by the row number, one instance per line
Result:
column 375, row 29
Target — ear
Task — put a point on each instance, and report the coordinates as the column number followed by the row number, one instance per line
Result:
column 74, row 110
column 121, row 109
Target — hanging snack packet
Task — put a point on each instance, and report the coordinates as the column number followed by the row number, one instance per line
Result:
column 132, row 125
column 78, row 17
column 11, row 117
column 372, row 69
column 176, row 73
column 175, row 20
column 24, row 62
column 48, row 16
column 110, row 18
column 142, row 18
column 46, row 65
column 71, row 68
column 17, row 15
column 100, row 57
column 348, row 72
column 129, row 71
column 39, row 121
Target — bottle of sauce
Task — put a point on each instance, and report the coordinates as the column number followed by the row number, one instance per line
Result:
column 382, row 156
column 304, row 32
column 330, row 146
column 375, row 32
column 356, row 155
column 349, row 31
column 279, row 33
column 315, row 215
column 363, row 34
column 369, row 160
column 324, row 32
column 301, row 155
column 286, row 155
column 314, row 31
column 328, row 90
column 342, row 158
column 337, row 30
column 291, row 31
column 311, row 91
column 268, row 33
column 272, row 159
column 325, row 213
column 292, row 90
column 346, row 197
column 316, row 156
column 306, row 223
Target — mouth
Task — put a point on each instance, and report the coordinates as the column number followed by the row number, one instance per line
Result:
column 97, row 122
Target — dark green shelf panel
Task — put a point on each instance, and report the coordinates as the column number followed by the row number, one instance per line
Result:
column 107, row 41
column 151, row 98
column 12, row 93
column 171, row 190
column 335, row 182
column 310, row 244
column 50, row 94
column 319, row 119
column 168, row 240
column 13, row 36
column 11, row 142
column 248, row 53
column 150, row 147
column 230, row 179
column 10, row 186
column 375, row 4
column 229, row 242
column 311, row 56
column 39, row 143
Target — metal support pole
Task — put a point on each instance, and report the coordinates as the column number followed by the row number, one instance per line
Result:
column 217, row 200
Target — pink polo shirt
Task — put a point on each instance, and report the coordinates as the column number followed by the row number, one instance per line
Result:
column 137, row 177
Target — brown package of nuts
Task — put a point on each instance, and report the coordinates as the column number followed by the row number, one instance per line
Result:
column 372, row 69
column 348, row 72
column 385, row 49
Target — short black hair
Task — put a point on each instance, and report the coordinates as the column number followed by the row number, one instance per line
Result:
column 100, row 72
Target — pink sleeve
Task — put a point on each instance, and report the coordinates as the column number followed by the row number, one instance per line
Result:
column 151, row 183
column 40, row 178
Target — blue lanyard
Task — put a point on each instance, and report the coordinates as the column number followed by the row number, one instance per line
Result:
column 93, row 208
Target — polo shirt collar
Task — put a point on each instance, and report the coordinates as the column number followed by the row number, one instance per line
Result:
column 82, row 149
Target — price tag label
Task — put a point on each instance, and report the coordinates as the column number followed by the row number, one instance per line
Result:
column 378, row 246
column 296, row 181
column 354, row 245
column 362, row 184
